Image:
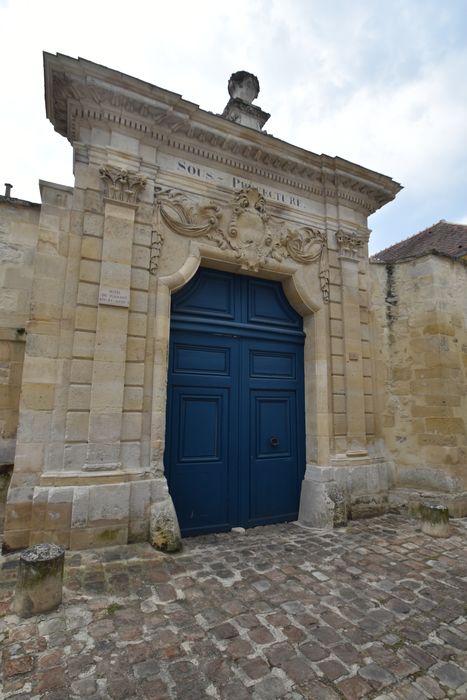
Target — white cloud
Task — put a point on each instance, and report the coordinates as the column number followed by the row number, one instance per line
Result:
column 381, row 84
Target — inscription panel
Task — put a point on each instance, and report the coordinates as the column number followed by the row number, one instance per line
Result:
column 113, row 296
column 217, row 177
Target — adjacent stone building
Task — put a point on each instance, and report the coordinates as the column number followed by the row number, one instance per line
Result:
column 197, row 322
column 419, row 304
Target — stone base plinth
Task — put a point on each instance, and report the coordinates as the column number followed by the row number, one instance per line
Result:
column 91, row 514
column 412, row 500
column 347, row 489
column 164, row 529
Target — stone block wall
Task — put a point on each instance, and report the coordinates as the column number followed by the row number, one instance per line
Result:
column 80, row 438
column 421, row 363
column 18, row 240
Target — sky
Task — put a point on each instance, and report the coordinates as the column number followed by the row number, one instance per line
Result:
column 381, row 83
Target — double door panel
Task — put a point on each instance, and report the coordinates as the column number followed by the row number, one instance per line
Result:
column 235, row 433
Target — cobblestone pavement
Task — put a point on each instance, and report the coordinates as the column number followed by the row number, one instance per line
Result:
column 377, row 610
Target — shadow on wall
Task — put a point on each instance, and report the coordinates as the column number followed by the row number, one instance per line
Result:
column 6, row 470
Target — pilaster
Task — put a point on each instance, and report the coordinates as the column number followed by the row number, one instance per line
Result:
column 43, row 366
column 349, row 246
column 110, row 351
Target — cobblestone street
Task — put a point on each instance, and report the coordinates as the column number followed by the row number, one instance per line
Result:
column 376, row 610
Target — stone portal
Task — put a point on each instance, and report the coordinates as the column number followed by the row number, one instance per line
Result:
column 162, row 188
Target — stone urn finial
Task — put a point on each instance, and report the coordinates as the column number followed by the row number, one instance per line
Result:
column 243, row 89
column 244, row 86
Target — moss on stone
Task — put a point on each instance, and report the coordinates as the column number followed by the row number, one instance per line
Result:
column 165, row 540
column 109, row 535
column 113, row 607
column 436, row 515
column 6, row 471
column 37, row 567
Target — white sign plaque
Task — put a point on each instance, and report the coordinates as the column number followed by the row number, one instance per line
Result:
column 114, row 296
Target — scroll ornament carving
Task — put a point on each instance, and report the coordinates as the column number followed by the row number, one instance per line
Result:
column 250, row 235
column 185, row 218
column 122, row 185
column 349, row 244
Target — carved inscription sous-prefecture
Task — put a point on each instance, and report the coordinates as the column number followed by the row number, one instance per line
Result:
column 218, row 177
column 122, row 185
column 247, row 231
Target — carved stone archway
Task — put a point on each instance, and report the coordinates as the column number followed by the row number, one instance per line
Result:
column 245, row 239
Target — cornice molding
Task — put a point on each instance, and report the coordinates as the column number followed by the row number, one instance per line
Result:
column 79, row 91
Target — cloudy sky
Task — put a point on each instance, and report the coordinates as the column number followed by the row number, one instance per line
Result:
column 378, row 82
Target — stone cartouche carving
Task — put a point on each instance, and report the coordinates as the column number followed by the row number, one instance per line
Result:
column 256, row 241
column 157, row 241
column 248, row 232
column 349, row 244
column 122, row 185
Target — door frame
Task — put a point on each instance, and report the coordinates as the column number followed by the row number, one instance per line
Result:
column 309, row 305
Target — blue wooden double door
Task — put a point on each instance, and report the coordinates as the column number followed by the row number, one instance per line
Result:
column 235, row 411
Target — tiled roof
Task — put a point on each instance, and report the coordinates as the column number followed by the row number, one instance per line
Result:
column 442, row 238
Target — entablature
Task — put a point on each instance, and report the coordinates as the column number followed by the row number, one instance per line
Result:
column 81, row 92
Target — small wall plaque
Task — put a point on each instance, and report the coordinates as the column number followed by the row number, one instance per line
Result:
column 114, row 296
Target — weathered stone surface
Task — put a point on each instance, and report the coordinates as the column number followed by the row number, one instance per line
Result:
column 164, row 529
column 40, row 580
column 451, row 675
column 435, row 520
column 420, row 335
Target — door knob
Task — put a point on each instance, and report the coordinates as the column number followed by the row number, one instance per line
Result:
column 274, row 442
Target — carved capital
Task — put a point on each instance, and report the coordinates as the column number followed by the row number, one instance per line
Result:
column 349, row 244
column 122, row 185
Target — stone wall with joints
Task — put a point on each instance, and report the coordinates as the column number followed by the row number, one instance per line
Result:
column 421, row 364
column 18, row 239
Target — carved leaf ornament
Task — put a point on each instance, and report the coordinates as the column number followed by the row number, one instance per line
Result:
column 122, row 185
column 349, row 244
column 250, row 235
column 193, row 221
column 306, row 246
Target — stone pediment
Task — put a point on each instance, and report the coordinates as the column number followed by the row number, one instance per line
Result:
column 79, row 91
